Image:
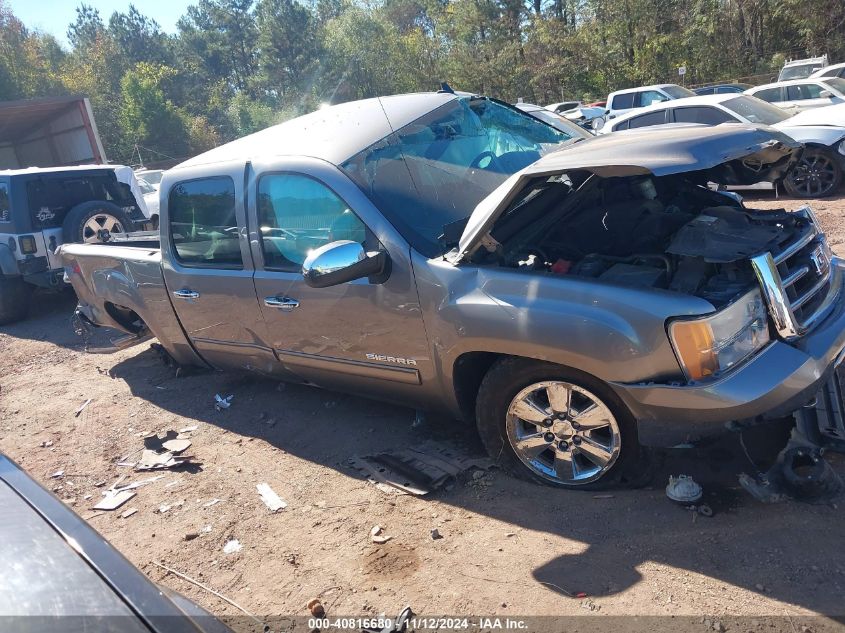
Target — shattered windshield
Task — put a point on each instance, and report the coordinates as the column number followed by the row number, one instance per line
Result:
column 756, row 110
column 433, row 172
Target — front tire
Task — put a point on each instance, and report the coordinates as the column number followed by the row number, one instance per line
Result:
column 554, row 425
column 817, row 174
column 14, row 299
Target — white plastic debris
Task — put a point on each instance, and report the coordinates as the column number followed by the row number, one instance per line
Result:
column 683, row 489
column 232, row 546
column 273, row 501
column 221, row 403
column 82, row 408
column 213, row 502
column 377, row 537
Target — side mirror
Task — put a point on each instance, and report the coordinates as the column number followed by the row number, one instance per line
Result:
column 825, row 94
column 597, row 124
column 342, row 261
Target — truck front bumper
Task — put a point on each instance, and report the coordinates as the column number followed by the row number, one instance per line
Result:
column 780, row 379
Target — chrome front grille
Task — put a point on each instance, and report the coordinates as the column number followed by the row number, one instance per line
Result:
column 800, row 281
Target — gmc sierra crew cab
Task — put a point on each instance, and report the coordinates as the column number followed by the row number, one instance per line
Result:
column 576, row 298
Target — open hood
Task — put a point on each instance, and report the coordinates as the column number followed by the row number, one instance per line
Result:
column 726, row 154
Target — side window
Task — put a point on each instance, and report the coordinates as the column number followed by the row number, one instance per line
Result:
column 297, row 214
column 621, row 126
column 704, row 115
column 203, row 225
column 624, row 101
column 4, row 203
column 646, row 120
column 772, row 95
column 647, row 97
column 803, row 91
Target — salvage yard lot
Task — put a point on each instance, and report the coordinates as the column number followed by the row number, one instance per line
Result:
column 508, row 548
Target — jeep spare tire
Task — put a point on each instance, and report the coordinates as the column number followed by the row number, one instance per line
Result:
column 95, row 222
column 14, row 299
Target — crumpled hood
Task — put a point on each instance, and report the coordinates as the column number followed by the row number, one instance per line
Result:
column 726, row 154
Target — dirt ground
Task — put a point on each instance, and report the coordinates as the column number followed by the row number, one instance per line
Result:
column 508, row 548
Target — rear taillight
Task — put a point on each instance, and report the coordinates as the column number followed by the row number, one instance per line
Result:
column 28, row 246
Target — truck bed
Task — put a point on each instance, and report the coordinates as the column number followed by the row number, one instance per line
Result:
column 121, row 286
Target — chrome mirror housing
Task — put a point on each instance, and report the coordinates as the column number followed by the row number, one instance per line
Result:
column 342, row 261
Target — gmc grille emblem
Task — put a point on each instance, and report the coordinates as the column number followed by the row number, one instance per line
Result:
column 820, row 261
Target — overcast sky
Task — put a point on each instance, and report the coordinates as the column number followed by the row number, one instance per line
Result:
column 54, row 16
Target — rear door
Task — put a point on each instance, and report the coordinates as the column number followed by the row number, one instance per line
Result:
column 208, row 267
column 360, row 336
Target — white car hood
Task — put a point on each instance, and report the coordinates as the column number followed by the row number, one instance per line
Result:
column 827, row 115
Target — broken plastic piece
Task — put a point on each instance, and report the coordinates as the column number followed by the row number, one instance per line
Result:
column 114, row 501
column 683, row 489
column 273, row 501
column 82, row 408
column 377, row 537
column 221, row 403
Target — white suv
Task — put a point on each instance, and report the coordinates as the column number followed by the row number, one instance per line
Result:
column 623, row 101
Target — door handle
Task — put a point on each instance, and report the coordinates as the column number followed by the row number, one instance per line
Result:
column 285, row 304
column 186, row 293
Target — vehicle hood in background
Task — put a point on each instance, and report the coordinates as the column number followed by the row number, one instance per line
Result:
column 726, row 154
column 818, row 134
column 827, row 115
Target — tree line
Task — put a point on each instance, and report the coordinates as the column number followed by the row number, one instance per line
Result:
column 236, row 66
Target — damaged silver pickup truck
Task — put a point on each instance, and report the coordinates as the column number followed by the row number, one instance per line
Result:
column 576, row 298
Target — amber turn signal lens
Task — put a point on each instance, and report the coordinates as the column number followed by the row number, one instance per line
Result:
column 693, row 342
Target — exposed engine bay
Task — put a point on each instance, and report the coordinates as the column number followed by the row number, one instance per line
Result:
column 667, row 233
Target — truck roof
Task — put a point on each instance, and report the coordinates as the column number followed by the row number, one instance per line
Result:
column 334, row 133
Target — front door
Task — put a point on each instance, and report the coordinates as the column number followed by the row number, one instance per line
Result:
column 358, row 336
column 208, row 267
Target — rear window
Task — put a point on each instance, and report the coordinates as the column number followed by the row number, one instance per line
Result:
column 624, row 101
column 4, row 203
column 52, row 195
column 647, row 120
column 771, row 95
column 703, row 115
column 203, row 224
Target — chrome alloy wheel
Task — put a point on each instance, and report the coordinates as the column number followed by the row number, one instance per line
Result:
column 563, row 432
column 99, row 227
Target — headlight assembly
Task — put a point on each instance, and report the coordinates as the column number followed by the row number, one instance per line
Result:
column 713, row 344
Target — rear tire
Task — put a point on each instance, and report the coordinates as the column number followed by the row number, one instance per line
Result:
column 14, row 299
column 90, row 222
column 588, row 446
column 817, row 174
